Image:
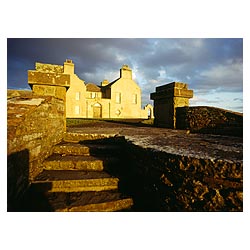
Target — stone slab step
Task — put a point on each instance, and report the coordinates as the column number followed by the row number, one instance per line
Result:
column 86, row 149
column 74, row 181
column 90, row 201
column 110, row 206
column 69, row 162
column 103, row 201
column 76, row 137
column 67, row 148
column 102, row 149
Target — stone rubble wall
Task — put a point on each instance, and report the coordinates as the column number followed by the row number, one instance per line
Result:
column 161, row 181
column 203, row 119
column 35, row 125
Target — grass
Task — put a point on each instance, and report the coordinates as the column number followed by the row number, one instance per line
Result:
column 81, row 121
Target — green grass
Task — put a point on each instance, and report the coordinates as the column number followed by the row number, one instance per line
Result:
column 81, row 121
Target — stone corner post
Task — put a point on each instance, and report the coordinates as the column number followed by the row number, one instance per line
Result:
column 50, row 84
column 167, row 98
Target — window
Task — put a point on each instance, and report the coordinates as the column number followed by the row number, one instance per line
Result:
column 77, row 96
column 77, row 110
column 118, row 97
column 92, row 95
column 134, row 99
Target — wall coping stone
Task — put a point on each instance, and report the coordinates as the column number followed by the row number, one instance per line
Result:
column 32, row 101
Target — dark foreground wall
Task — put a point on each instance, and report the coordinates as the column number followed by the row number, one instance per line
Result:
column 211, row 120
column 160, row 181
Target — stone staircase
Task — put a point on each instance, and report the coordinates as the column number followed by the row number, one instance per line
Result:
column 74, row 177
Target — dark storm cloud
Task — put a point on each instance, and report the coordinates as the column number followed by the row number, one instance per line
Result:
column 182, row 57
column 206, row 64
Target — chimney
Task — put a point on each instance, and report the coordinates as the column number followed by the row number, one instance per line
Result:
column 126, row 72
column 104, row 83
column 69, row 67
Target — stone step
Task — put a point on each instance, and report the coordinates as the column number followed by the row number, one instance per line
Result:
column 67, row 148
column 90, row 202
column 86, row 149
column 110, row 206
column 103, row 149
column 74, row 181
column 69, row 162
column 103, row 201
column 76, row 137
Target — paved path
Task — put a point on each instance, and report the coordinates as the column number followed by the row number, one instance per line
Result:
column 179, row 142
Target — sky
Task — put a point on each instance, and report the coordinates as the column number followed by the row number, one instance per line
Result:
column 213, row 68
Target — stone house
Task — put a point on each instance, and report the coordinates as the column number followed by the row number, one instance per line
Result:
column 120, row 98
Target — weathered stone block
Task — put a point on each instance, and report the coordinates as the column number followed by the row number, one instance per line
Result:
column 36, row 77
column 56, row 91
column 184, row 93
column 49, row 68
column 172, row 85
column 60, row 93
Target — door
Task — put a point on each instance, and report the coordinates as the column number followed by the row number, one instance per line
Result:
column 97, row 110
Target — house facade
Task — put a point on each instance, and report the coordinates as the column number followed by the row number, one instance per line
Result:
column 120, row 98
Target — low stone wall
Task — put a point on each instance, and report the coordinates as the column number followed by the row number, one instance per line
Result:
column 35, row 124
column 212, row 120
column 172, row 170
column 159, row 181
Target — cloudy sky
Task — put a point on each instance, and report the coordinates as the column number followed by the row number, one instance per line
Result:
column 213, row 68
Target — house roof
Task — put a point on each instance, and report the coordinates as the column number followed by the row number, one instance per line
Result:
column 92, row 87
column 111, row 83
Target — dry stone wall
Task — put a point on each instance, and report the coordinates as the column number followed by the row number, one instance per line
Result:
column 35, row 124
column 203, row 119
column 160, row 181
column 39, row 124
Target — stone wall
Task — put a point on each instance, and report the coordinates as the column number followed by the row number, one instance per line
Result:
column 212, row 120
column 35, row 124
column 159, row 181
